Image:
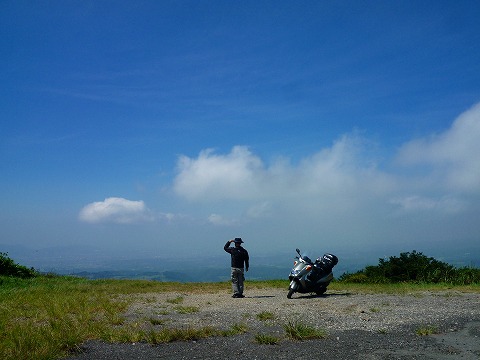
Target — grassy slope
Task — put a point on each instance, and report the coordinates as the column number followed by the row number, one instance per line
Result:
column 47, row 317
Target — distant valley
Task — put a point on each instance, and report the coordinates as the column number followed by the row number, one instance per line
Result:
column 94, row 264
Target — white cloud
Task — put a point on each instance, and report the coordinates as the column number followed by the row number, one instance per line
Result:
column 116, row 210
column 434, row 176
column 262, row 210
column 241, row 175
column 169, row 216
column 417, row 203
column 219, row 220
column 218, row 176
column 452, row 157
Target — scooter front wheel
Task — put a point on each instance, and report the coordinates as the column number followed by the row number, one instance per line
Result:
column 291, row 289
column 290, row 293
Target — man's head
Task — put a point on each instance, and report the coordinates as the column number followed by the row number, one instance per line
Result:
column 238, row 241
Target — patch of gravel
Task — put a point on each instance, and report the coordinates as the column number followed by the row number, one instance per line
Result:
column 359, row 326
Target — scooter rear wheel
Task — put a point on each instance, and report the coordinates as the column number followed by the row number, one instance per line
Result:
column 321, row 291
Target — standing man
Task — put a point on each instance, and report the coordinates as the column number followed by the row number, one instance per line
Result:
column 239, row 258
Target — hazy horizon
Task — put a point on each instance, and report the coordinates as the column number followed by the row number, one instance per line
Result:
column 94, row 263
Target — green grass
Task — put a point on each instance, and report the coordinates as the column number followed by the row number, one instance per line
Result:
column 44, row 318
column 299, row 331
column 47, row 317
column 189, row 334
column 235, row 329
column 399, row 288
column 265, row 315
column 177, row 300
column 155, row 321
column 266, row 339
column 186, row 309
column 426, row 330
column 132, row 334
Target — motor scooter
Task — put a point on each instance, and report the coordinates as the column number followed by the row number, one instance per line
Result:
column 311, row 277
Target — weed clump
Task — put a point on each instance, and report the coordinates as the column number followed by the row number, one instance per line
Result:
column 300, row 331
column 177, row 300
column 426, row 330
column 266, row 339
column 265, row 315
column 235, row 329
column 186, row 309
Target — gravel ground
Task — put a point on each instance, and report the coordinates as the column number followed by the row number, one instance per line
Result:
column 359, row 326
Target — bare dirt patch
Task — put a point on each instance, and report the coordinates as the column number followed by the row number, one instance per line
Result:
column 359, row 326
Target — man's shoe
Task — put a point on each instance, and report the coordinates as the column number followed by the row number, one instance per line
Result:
column 241, row 296
column 235, row 296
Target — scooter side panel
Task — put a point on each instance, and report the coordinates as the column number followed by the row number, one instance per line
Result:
column 326, row 278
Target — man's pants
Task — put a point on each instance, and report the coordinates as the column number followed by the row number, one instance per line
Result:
column 237, row 280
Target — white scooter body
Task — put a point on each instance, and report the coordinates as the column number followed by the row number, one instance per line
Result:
column 302, row 280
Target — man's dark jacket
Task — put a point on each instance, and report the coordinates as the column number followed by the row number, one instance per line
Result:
column 239, row 255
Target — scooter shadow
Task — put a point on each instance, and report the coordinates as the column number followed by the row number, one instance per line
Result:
column 308, row 296
column 313, row 296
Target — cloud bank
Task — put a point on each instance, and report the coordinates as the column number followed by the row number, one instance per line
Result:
column 428, row 190
column 435, row 174
column 452, row 157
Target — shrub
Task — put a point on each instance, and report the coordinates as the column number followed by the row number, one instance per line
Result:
column 357, row 278
column 9, row 268
column 413, row 267
column 467, row 276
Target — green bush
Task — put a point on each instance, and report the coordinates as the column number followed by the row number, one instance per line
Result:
column 357, row 278
column 9, row 268
column 413, row 267
column 467, row 276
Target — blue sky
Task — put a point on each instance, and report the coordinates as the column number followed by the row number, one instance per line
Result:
column 172, row 126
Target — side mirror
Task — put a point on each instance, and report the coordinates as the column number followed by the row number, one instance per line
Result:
column 298, row 252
